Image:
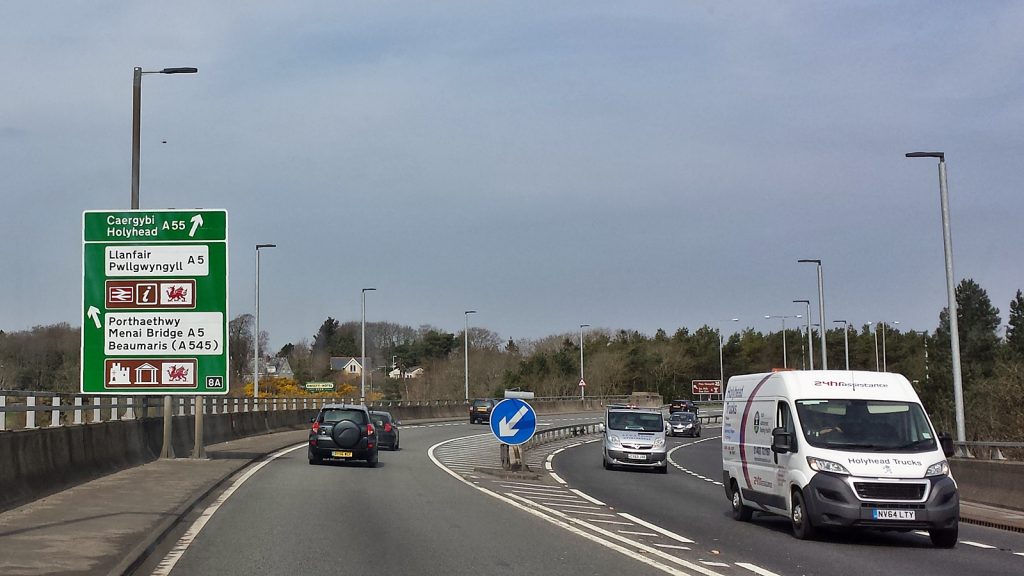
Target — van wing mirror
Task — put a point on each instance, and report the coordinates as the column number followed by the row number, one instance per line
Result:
column 782, row 441
column 948, row 450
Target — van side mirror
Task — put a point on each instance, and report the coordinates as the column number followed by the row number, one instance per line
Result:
column 948, row 450
column 782, row 441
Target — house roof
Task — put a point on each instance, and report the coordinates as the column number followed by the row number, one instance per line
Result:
column 342, row 362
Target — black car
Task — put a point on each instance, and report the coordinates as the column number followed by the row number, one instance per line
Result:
column 343, row 432
column 682, row 406
column 684, row 424
column 480, row 410
column 387, row 429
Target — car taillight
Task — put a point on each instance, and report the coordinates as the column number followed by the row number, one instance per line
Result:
column 316, row 427
column 387, row 427
column 369, row 430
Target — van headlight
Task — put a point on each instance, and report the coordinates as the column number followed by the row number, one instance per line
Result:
column 659, row 442
column 937, row 469
column 615, row 441
column 821, row 465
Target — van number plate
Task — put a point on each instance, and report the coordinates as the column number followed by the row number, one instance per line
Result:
column 894, row 514
column 636, row 456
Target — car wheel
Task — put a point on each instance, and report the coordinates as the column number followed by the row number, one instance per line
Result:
column 663, row 469
column 372, row 461
column 803, row 527
column 739, row 511
column 607, row 465
column 945, row 537
column 698, row 433
column 314, row 459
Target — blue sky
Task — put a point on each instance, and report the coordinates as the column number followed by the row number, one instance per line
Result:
column 625, row 165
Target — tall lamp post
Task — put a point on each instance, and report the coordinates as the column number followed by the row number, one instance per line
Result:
column 362, row 360
column 884, row 327
column 846, row 339
column 821, row 311
column 256, row 335
column 167, row 449
column 954, row 330
column 583, row 387
column 721, row 355
column 810, row 341
column 465, row 348
column 785, row 363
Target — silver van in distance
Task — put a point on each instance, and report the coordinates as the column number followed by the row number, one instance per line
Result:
column 634, row 437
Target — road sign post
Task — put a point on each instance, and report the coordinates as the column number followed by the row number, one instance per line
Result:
column 154, row 302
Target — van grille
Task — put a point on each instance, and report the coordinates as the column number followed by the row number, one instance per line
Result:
column 889, row 491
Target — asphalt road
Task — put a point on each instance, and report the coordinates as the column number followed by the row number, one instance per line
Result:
column 691, row 502
column 407, row 516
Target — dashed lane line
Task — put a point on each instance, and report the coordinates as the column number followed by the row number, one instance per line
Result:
column 756, row 569
column 686, row 470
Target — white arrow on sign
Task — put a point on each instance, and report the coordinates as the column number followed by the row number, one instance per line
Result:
column 94, row 313
column 508, row 428
column 197, row 221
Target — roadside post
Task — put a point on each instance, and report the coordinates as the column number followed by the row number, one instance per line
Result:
column 513, row 423
column 154, row 305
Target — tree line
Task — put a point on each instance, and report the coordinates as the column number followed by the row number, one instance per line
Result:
column 616, row 362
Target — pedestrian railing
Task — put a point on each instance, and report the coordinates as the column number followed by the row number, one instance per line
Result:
column 29, row 410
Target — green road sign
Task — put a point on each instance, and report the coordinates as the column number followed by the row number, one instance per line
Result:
column 155, row 302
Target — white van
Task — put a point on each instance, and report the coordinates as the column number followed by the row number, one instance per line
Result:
column 837, row 449
column 634, row 437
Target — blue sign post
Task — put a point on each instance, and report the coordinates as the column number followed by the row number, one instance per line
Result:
column 513, row 421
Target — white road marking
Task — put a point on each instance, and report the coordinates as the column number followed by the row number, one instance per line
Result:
column 690, row 472
column 587, row 497
column 977, row 545
column 557, row 478
column 756, row 569
column 920, row 532
column 510, row 483
column 672, row 546
column 172, row 557
column 574, row 506
column 657, row 528
column 637, row 533
column 616, row 522
column 1018, row 553
column 547, row 497
column 716, row 564
column 538, row 489
column 556, row 521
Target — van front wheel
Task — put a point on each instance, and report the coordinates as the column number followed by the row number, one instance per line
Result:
column 945, row 538
column 803, row 528
column 739, row 511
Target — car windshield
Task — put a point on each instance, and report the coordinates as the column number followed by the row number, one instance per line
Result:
column 338, row 414
column 877, row 425
column 636, row 421
column 682, row 417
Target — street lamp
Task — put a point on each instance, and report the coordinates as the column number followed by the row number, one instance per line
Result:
column 884, row 326
column 137, row 121
column 167, row 449
column 846, row 339
column 810, row 341
column 582, row 382
column 466, row 349
column 954, row 334
column 256, row 335
column 362, row 360
column 721, row 355
column 821, row 311
column 785, row 363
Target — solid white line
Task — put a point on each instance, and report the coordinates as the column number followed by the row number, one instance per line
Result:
column 637, row 533
column 587, row 497
column 172, row 557
column 672, row 546
column 601, row 514
column 756, row 569
column 562, row 524
column 553, row 491
column 551, row 498
column 1018, row 553
column 557, row 478
column 547, row 466
column 977, row 544
column 616, row 522
column 511, row 484
column 657, row 528
column 715, row 564
column 576, row 506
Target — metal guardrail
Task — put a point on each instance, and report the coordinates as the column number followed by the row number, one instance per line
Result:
column 554, row 434
column 21, row 409
column 994, row 450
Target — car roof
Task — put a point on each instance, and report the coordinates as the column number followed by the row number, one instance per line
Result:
column 345, row 407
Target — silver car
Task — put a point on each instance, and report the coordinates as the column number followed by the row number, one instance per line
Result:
column 634, row 438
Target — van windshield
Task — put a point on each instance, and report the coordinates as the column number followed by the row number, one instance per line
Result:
column 871, row 425
column 636, row 421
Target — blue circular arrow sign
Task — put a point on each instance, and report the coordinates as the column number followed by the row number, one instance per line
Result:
column 513, row 421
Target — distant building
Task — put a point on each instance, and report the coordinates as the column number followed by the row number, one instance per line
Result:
column 348, row 365
column 414, row 372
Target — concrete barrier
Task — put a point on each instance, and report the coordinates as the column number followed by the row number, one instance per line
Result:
column 993, row 482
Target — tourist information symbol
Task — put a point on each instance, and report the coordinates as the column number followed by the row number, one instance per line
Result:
column 155, row 302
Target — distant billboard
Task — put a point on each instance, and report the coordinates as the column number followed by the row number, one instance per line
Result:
column 319, row 386
column 706, row 386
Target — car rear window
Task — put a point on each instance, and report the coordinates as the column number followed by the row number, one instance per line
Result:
column 477, row 403
column 380, row 417
column 339, row 414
